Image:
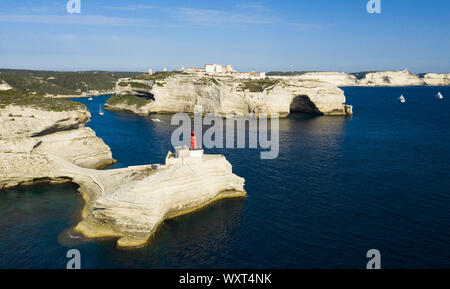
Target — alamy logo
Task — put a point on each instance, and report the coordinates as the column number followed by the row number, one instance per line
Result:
column 374, row 6
column 75, row 259
column 375, row 259
column 74, row 6
column 214, row 136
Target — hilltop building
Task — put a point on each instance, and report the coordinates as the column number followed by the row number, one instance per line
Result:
column 217, row 69
column 213, row 68
column 193, row 69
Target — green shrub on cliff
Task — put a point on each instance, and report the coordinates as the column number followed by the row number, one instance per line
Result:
column 160, row 75
column 139, row 85
column 258, row 85
column 213, row 80
column 128, row 99
column 14, row 97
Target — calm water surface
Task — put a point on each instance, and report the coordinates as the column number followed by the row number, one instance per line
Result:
column 340, row 186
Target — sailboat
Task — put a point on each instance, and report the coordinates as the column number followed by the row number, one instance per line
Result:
column 439, row 95
column 402, row 99
column 100, row 111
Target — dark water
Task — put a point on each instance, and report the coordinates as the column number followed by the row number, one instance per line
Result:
column 340, row 187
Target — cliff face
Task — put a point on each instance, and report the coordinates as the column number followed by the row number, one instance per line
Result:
column 225, row 95
column 380, row 78
column 134, row 210
column 391, row 78
column 336, row 78
column 48, row 146
column 28, row 135
column 437, row 78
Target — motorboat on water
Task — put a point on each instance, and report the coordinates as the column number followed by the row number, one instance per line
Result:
column 402, row 99
column 439, row 95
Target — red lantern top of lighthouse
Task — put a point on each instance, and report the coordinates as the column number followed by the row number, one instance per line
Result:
column 193, row 140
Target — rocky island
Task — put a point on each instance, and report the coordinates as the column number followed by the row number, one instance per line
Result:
column 46, row 140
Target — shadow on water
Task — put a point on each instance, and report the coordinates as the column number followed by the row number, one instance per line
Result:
column 31, row 218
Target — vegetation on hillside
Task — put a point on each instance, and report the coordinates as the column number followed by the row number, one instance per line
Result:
column 14, row 97
column 160, row 75
column 128, row 99
column 287, row 73
column 56, row 82
column 140, row 85
column 258, row 85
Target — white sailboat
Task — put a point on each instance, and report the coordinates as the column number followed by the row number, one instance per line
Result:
column 402, row 99
column 100, row 112
column 439, row 95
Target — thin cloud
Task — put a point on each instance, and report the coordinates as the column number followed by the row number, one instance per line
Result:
column 257, row 7
column 75, row 19
column 309, row 26
column 211, row 17
column 131, row 7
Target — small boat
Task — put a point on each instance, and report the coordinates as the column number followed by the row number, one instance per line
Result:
column 156, row 120
column 90, row 98
column 402, row 99
column 439, row 95
column 100, row 112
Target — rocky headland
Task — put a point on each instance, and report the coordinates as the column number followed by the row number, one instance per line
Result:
column 336, row 78
column 46, row 140
column 437, row 78
column 378, row 78
column 225, row 95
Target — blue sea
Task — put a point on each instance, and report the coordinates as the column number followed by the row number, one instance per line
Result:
column 340, row 186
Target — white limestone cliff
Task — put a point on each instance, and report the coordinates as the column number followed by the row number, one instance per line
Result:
column 32, row 130
column 228, row 95
column 437, row 78
column 379, row 78
column 134, row 211
column 391, row 78
column 337, row 78
column 130, row 203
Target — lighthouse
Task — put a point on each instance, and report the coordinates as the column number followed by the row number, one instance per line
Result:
column 195, row 151
column 185, row 155
column 193, row 141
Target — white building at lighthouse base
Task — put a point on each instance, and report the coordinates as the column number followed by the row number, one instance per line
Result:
column 184, row 155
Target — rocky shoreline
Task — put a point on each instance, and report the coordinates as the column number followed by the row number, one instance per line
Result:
column 38, row 145
column 370, row 79
column 226, row 95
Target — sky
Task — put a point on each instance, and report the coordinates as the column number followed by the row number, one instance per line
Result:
column 281, row 35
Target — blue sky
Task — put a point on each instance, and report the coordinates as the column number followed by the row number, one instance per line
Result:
column 285, row 35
